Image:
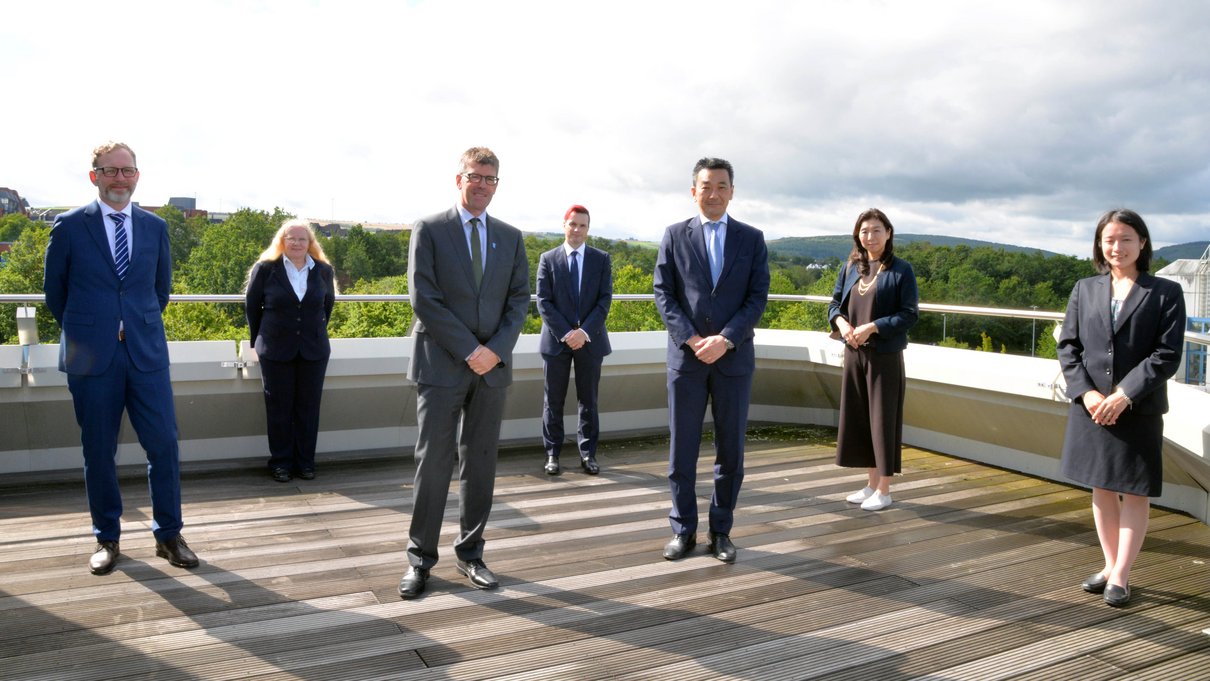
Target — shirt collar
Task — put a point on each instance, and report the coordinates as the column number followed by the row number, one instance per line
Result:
column 106, row 211
column 306, row 266
column 466, row 216
column 568, row 250
column 704, row 219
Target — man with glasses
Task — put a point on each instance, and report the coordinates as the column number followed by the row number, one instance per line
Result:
column 468, row 277
column 107, row 278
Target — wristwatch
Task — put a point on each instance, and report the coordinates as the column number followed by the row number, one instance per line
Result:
column 730, row 345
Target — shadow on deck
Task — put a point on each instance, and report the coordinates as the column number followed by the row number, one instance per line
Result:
column 974, row 572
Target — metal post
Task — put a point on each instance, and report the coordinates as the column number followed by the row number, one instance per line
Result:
column 1033, row 330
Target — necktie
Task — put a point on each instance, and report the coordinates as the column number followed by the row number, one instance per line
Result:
column 476, row 253
column 574, row 268
column 121, row 251
column 716, row 251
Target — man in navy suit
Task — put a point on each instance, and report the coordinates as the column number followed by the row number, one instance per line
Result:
column 468, row 276
column 711, row 285
column 108, row 274
column 575, row 290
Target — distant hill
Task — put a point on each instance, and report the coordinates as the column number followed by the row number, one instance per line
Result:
column 1191, row 251
column 820, row 248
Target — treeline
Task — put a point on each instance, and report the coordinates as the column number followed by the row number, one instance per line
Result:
column 215, row 259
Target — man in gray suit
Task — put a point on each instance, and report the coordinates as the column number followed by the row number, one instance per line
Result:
column 468, row 277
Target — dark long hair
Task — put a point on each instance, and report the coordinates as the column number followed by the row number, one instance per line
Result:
column 1130, row 219
column 860, row 255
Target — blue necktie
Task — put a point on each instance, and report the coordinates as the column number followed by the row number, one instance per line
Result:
column 574, row 268
column 121, row 251
column 716, row 251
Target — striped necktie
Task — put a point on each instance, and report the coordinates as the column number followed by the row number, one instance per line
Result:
column 121, row 251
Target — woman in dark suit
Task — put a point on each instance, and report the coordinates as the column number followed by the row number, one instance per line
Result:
column 291, row 290
column 1120, row 343
column 873, row 305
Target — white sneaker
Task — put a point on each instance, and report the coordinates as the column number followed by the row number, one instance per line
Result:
column 858, row 497
column 876, row 502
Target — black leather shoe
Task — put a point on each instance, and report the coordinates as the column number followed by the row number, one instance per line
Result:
column 722, row 548
column 177, row 552
column 281, row 474
column 679, row 546
column 412, row 584
column 307, row 474
column 104, row 558
column 552, row 465
column 589, row 464
column 477, row 572
column 480, row 577
column 1117, row 596
column 1095, row 584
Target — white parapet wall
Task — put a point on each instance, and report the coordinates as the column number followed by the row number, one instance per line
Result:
column 1003, row 410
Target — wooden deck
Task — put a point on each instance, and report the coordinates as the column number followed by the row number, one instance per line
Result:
column 973, row 573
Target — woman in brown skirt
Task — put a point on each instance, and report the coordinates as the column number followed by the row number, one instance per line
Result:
column 873, row 306
column 1120, row 343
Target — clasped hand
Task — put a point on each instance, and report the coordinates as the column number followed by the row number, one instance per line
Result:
column 855, row 337
column 709, row 349
column 482, row 360
column 1105, row 411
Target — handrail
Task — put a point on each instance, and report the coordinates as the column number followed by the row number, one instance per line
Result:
column 1011, row 313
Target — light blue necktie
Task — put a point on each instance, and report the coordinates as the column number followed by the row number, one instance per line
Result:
column 121, row 251
column 716, row 251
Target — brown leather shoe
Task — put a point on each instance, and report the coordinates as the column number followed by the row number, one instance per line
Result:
column 177, row 552
column 104, row 558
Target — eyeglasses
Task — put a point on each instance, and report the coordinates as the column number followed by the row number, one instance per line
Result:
column 476, row 178
column 109, row 171
column 296, row 239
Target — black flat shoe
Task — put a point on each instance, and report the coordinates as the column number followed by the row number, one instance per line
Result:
column 307, row 474
column 589, row 464
column 280, row 474
column 1095, row 584
column 177, row 552
column 722, row 548
column 1117, row 596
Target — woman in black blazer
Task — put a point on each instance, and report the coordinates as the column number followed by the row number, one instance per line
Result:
column 291, row 290
column 874, row 304
column 1120, row 343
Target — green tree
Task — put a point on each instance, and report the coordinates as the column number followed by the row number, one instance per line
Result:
column 22, row 272
column 633, row 315
column 12, row 224
column 373, row 320
column 221, row 261
column 184, row 234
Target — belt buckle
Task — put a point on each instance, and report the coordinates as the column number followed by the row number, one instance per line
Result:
column 121, row 335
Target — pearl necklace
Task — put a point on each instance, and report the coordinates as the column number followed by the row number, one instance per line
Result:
column 864, row 288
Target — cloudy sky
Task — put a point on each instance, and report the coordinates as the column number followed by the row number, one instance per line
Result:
column 1011, row 121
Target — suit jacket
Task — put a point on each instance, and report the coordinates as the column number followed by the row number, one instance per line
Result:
column 1139, row 353
column 557, row 307
column 89, row 301
column 691, row 305
column 896, row 303
column 452, row 315
column 280, row 325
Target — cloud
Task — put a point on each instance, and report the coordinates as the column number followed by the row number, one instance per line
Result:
column 1016, row 122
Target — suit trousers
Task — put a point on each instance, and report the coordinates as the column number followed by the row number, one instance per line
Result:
column 146, row 396
column 293, row 390
column 461, row 421
column 556, row 371
column 688, row 393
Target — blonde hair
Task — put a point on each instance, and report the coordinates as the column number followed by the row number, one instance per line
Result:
column 111, row 146
column 278, row 246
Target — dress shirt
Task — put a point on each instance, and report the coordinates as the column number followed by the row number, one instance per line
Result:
column 567, row 251
column 466, row 230
column 722, row 237
column 298, row 276
column 110, row 228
